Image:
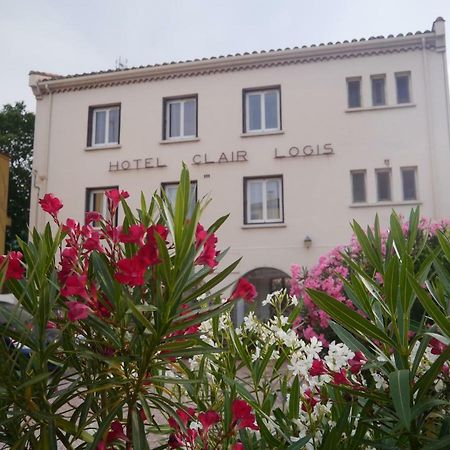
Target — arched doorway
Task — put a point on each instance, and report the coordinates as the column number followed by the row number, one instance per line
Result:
column 266, row 280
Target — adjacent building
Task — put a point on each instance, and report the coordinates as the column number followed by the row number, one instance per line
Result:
column 293, row 143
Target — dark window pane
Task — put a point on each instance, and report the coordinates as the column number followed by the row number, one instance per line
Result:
column 384, row 185
column 174, row 119
column 359, row 186
column 402, row 82
column 190, row 118
column 271, row 110
column 409, row 184
column 354, row 93
column 254, row 111
column 113, row 126
column 378, row 94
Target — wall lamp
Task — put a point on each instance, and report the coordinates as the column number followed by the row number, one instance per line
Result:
column 307, row 241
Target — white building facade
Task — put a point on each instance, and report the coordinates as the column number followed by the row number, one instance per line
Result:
column 293, row 143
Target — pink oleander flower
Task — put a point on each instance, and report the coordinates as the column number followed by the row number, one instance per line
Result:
column 77, row 311
column 51, row 204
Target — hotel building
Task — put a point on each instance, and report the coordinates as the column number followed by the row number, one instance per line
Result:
column 293, row 143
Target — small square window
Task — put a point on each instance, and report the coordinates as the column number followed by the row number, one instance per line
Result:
column 96, row 200
column 403, row 85
column 378, row 90
column 383, row 185
column 358, row 186
column 354, row 92
column 263, row 200
column 262, row 110
column 409, row 183
column 180, row 118
column 103, row 125
column 171, row 189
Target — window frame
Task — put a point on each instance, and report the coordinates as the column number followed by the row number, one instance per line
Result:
column 177, row 183
column 246, row 110
column 101, row 189
column 166, row 117
column 92, row 122
column 387, row 170
column 348, row 81
column 372, row 79
column 397, row 75
column 364, row 173
column 246, row 205
column 414, row 170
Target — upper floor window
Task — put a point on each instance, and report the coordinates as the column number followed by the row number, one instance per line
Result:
column 358, row 186
column 378, row 90
column 409, row 183
column 180, row 118
column 97, row 201
column 103, row 125
column 402, row 82
column 262, row 110
column 171, row 189
column 263, row 200
column 383, row 177
column 354, row 92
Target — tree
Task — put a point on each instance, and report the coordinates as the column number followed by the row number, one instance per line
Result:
column 16, row 140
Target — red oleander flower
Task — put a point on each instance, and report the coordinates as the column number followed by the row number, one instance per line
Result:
column 131, row 271
column 245, row 290
column 208, row 419
column 156, row 229
column 317, row 368
column 200, row 235
column 93, row 243
column 134, row 235
column 238, row 446
column 208, row 255
column 356, row 362
column 116, row 432
column 14, row 268
column 92, row 216
column 148, row 255
column 309, row 401
column 115, row 196
column 341, row 377
column 242, row 415
column 75, row 285
column 51, row 204
column 77, row 311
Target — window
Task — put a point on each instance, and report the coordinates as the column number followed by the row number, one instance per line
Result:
column 358, row 186
column 383, row 184
column 354, row 92
column 103, row 125
column 96, row 200
column 263, row 200
column 262, row 110
column 180, row 118
column 378, row 90
column 171, row 189
column 402, row 82
column 409, row 183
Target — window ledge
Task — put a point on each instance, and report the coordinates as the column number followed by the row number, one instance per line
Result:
column 103, row 147
column 376, row 204
column 376, row 108
column 179, row 140
column 264, row 225
column 261, row 133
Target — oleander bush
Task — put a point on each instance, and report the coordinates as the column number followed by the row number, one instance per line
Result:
column 123, row 339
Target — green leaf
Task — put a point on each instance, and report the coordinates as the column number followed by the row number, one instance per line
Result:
column 297, row 445
column 138, row 432
column 348, row 318
column 294, row 399
column 400, row 394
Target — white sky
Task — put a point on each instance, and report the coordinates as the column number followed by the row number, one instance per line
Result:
column 75, row 36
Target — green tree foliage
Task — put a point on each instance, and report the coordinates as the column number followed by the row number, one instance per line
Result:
column 16, row 140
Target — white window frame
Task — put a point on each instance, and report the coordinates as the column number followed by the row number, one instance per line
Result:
column 94, row 122
column 90, row 200
column 248, row 182
column 182, row 102
column 262, row 93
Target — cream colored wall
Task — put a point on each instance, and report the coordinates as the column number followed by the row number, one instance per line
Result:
column 317, row 190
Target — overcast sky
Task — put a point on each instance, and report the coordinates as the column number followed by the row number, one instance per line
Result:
column 74, row 36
